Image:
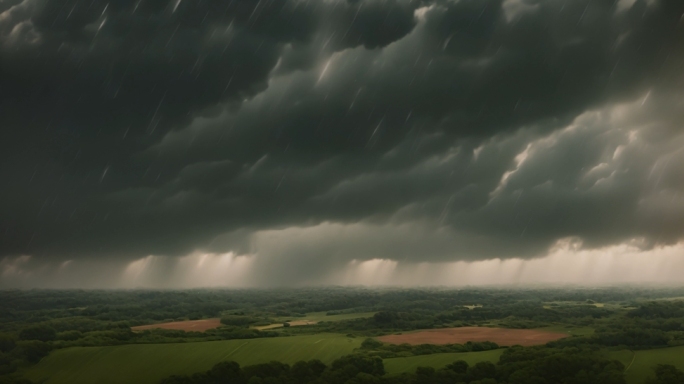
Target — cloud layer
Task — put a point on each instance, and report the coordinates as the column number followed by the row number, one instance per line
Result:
column 409, row 131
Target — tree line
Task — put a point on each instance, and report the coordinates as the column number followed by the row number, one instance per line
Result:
column 517, row 365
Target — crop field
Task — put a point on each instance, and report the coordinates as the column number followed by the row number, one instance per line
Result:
column 438, row 360
column 639, row 364
column 148, row 363
column 593, row 320
column 462, row 335
column 190, row 325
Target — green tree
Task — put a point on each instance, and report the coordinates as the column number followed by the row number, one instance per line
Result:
column 7, row 342
column 38, row 332
column 482, row 370
column 667, row 374
column 348, row 367
column 272, row 369
column 236, row 320
column 458, row 366
column 371, row 344
column 385, row 317
column 228, row 372
column 305, row 371
column 33, row 350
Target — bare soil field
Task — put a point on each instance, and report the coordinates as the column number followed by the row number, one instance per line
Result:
column 190, row 325
column 501, row 336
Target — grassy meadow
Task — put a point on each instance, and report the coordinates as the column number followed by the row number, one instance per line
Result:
column 640, row 364
column 148, row 363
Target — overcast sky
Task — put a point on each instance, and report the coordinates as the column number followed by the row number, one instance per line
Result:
column 178, row 143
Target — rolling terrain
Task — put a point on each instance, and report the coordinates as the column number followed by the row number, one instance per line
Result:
column 639, row 364
column 149, row 363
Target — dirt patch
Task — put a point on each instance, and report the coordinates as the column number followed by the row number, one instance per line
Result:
column 501, row 336
column 190, row 325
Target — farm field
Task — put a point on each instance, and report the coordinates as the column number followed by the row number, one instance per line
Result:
column 438, row 360
column 313, row 318
column 640, row 364
column 100, row 351
column 148, row 363
column 190, row 325
column 462, row 335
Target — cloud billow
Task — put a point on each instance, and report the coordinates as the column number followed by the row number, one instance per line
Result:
column 433, row 130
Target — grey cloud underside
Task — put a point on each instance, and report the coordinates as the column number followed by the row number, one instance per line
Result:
column 450, row 130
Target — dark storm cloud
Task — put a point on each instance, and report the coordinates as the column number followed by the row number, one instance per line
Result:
column 163, row 127
column 86, row 85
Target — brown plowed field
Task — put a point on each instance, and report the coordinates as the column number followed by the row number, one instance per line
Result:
column 190, row 325
column 462, row 335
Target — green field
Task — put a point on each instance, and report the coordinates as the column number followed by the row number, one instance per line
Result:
column 438, row 360
column 148, row 363
column 640, row 364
